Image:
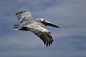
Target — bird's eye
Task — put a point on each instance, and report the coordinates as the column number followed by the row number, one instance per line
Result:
column 44, row 20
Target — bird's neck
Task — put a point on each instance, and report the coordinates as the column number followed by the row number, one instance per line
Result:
column 41, row 24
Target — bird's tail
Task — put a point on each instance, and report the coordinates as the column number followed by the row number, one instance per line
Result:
column 16, row 27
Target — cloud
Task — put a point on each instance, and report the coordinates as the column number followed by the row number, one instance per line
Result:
column 20, row 39
column 69, row 40
column 61, row 47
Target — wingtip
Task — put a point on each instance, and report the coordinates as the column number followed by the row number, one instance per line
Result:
column 20, row 12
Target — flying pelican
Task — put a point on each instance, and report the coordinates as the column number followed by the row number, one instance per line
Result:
column 28, row 24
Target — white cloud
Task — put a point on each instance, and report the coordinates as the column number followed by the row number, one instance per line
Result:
column 21, row 39
column 69, row 15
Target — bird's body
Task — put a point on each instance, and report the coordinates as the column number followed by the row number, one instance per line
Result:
column 28, row 24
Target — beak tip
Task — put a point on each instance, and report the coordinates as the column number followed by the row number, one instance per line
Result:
column 58, row 26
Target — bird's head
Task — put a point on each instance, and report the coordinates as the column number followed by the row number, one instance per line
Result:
column 46, row 23
column 40, row 20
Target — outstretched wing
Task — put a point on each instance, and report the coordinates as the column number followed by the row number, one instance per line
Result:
column 24, row 16
column 27, row 21
column 42, row 33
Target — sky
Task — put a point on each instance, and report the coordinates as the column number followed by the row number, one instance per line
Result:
column 69, row 40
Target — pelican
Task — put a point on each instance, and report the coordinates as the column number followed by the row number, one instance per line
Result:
column 28, row 24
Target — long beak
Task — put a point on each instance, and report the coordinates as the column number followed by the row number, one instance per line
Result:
column 47, row 23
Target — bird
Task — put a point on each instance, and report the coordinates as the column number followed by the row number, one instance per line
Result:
column 37, row 27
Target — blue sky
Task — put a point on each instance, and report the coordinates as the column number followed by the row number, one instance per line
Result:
column 69, row 40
